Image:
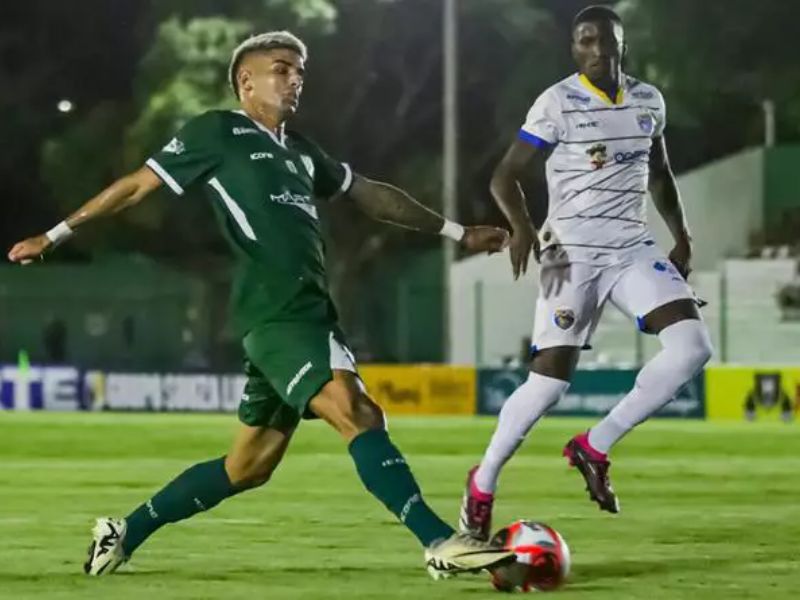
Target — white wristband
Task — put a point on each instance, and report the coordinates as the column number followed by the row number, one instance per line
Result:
column 59, row 233
column 454, row 231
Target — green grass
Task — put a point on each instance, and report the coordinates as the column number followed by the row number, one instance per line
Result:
column 709, row 511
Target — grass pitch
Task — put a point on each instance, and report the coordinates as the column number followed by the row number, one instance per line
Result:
column 709, row 511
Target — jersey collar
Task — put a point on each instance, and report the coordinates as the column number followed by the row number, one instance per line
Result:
column 279, row 139
column 586, row 82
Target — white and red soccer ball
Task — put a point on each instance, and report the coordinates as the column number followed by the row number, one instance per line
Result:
column 543, row 558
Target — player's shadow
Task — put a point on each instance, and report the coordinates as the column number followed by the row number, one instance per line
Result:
column 245, row 573
column 585, row 575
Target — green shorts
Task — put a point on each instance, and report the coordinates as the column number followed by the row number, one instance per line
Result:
column 287, row 364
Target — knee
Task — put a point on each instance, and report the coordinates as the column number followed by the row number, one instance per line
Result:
column 703, row 350
column 249, row 475
column 350, row 412
column 360, row 414
column 693, row 341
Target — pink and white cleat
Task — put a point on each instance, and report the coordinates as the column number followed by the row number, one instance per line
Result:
column 476, row 510
column 594, row 466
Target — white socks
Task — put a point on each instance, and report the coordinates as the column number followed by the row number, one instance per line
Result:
column 686, row 348
column 519, row 413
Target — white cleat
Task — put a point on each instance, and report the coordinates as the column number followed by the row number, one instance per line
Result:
column 463, row 553
column 105, row 551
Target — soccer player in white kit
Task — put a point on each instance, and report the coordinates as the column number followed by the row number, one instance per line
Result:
column 601, row 134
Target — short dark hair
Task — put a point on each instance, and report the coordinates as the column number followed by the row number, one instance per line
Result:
column 596, row 12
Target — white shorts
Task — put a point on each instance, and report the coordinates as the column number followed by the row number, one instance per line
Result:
column 573, row 291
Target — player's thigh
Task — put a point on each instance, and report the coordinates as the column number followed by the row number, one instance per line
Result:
column 261, row 406
column 651, row 290
column 344, row 403
column 558, row 362
column 299, row 359
column 567, row 310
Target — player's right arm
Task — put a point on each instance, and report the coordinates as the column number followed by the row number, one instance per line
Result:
column 507, row 192
column 123, row 193
column 189, row 157
column 539, row 134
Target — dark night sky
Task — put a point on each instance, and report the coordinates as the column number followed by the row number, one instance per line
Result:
column 85, row 51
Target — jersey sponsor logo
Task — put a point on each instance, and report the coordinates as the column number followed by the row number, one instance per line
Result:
column 298, row 376
column 646, row 123
column 291, row 166
column 623, row 157
column 261, row 155
column 597, row 156
column 644, row 95
column 564, row 318
column 579, row 98
column 588, row 124
column 175, row 146
column 243, row 131
column 300, row 201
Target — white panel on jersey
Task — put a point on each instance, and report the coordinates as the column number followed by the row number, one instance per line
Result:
column 236, row 212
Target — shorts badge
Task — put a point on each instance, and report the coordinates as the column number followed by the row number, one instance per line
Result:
column 564, row 318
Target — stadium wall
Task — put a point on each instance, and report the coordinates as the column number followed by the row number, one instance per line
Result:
column 730, row 191
column 721, row 393
column 124, row 313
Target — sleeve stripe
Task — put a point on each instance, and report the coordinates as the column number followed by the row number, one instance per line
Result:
column 535, row 140
column 164, row 176
column 348, row 178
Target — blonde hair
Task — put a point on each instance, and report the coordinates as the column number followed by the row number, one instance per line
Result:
column 260, row 42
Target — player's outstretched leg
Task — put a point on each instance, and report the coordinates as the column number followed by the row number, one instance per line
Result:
column 255, row 454
column 686, row 348
column 519, row 414
column 386, row 475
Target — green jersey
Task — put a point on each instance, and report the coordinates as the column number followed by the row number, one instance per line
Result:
column 262, row 186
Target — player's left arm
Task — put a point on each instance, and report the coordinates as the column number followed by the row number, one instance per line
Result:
column 389, row 204
column 667, row 199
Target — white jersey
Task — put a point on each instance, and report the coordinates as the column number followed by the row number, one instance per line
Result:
column 598, row 169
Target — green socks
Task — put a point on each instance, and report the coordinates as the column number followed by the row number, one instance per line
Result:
column 200, row 487
column 384, row 472
column 382, row 469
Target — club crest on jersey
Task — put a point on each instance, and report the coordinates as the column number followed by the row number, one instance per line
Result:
column 646, row 123
column 597, row 156
column 564, row 318
column 175, row 146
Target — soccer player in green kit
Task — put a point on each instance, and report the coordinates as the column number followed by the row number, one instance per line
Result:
column 261, row 181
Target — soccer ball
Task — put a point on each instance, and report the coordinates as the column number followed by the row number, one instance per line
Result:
column 543, row 558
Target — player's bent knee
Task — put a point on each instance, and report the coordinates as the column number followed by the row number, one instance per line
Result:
column 691, row 341
column 251, row 475
column 349, row 411
column 370, row 415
